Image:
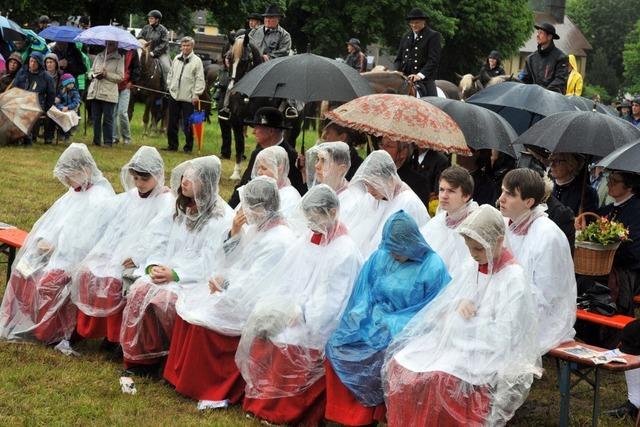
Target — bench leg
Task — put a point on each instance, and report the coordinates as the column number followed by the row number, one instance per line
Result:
column 596, row 399
column 563, row 383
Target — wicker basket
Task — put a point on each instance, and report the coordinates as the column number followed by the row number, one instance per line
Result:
column 592, row 259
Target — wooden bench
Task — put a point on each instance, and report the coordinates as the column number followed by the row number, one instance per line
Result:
column 583, row 368
column 11, row 239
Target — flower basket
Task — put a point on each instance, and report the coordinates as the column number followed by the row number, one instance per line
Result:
column 596, row 245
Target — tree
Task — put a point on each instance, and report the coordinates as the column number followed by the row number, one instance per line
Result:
column 631, row 56
column 606, row 24
column 601, row 72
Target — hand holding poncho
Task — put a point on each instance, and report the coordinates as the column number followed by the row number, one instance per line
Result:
column 387, row 294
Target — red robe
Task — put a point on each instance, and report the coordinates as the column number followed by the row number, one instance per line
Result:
column 98, row 327
column 306, row 408
column 343, row 407
column 424, row 399
column 201, row 363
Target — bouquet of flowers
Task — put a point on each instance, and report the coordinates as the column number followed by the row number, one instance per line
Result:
column 603, row 231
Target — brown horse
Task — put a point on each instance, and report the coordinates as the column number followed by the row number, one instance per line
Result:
column 384, row 81
column 151, row 78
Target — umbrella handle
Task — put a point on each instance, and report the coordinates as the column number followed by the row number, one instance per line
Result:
column 198, row 108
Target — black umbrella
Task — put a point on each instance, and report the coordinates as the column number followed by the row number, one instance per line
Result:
column 584, row 132
column 482, row 128
column 626, row 158
column 521, row 105
column 585, row 104
column 306, row 77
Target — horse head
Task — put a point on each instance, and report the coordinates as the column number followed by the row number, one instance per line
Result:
column 469, row 84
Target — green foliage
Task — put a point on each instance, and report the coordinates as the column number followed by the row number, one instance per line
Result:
column 602, row 72
column 631, row 55
column 606, row 24
column 590, row 91
column 604, row 232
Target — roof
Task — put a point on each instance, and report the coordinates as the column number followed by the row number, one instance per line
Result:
column 572, row 41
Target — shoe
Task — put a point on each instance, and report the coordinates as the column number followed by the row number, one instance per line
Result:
column 108, row 145
column 168, row 149
column 126, row 141
column 107, row 345
column 187, row 150
column 225, row 156
column 151, row 371
column 235, row 176
column 48, row 142
column 627, row 409
column 223, row 114
column 116, row 140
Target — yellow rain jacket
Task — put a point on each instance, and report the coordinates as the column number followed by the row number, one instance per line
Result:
column 574, row 84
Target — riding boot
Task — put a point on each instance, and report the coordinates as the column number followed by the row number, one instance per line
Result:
column 236, row 175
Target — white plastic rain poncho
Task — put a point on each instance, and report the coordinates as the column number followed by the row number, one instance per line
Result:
column 281, row 350
column 97, row 283
column 366, row 215
column 36, row 300
column 446, row 368
column 274, row 162
column 543, row 251
column 328, row 163
column 249, row 256
column 189, row 242
column 440, row 232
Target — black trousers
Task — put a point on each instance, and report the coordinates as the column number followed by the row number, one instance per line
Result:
column 102, row 117
column 427, row 87
column 179, row 110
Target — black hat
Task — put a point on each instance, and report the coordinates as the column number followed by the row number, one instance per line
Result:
column 548, row 28
column 273, row 10
column 494, row 54
column 636, row 100
column 269, row 117
column 624, row 104
column 354, row 42
column 256, row 16
column 630, row 341
column 416, row 13
column 155, row 13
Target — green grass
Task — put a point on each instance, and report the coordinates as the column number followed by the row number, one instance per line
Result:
column 39, row 386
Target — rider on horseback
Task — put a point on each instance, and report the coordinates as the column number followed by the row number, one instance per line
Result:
column 272, row 40
column 156, row 39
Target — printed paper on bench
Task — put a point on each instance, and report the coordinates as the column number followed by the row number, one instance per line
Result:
column 597, row 357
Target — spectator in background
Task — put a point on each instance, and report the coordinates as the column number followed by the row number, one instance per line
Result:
column 14, row 63
column 634, row 117
column 43, row 22
column 69, row 58
column 157, row 37
column 401, row 153
column 255, row 20
column 121, row 112
column 356, row 58
column 491, row 68
column 574, row 85
column 547, row 66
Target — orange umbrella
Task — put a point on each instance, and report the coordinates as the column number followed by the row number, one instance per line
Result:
column 402, row 118
column 19, row 110
column 197, row 119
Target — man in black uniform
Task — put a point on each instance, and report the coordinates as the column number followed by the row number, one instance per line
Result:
column 268, row 128
column 547, row 66
column 419, row 54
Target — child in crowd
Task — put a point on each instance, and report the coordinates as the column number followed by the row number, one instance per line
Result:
column 274, row 162
column 67, row 98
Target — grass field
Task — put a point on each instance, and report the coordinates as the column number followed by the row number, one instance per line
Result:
column 39, row 386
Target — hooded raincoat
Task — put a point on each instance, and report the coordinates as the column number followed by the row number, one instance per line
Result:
column 36, row 301
column 274, row 162
column 574, row 84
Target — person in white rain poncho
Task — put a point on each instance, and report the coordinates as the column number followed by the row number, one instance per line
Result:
column 454, row 206
column 543, row 251
column 97, row 287
column 470, row 356
column 274, row 162
column 187, row 247
column 281, row 350
column 36, row 300
column 201, row 362
column 375, row 193
column 328, row 163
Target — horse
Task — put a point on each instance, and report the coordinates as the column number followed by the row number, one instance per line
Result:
column 151, row 77
column 469, row 85
column 382, row 80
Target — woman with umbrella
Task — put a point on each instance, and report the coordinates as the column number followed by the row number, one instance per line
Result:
column 14, row 62
column 568, row 171
column 106, row 73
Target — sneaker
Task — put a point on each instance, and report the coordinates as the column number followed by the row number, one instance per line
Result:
column 126, row 141
column 151, row 371
column 627, row 409
column 116, row 140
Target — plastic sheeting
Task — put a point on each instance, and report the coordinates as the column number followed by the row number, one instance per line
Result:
column 474, row 370
column 387, row 294
column 545, row 255
column 97, row 284
column 328, row 163
column 38, row 291
column 250, row 256
column 365, row 215
column 441, row 235
column 274, row 162
column 189, row 242
column 311, row 286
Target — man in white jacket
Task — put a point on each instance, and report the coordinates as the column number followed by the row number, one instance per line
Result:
column 186, row 84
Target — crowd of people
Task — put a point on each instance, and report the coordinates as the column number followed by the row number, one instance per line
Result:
column 324, row 288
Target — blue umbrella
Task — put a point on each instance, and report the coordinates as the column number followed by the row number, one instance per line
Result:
column 64, row 33
column 103, row 33
column 9, row 30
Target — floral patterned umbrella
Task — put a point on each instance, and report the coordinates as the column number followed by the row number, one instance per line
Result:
column 19, row 110
column 402, row 118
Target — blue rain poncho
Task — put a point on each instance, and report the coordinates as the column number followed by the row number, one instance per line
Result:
column 386, row 295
